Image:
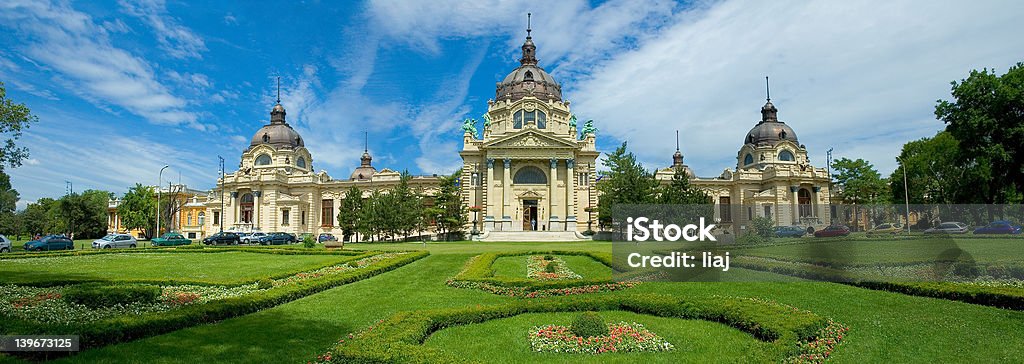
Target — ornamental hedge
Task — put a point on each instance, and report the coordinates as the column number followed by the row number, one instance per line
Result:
column 479, row 270
column 399, row 338
column 995, row 296
column 127, row 328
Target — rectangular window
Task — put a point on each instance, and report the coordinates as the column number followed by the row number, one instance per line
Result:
column 327, row 213
column 584, row 179
column 303, row 222
column 725, row 209
column 191, row 235
column 531, row 117
column 285, row 217
column 750, row 213
column 768, row 211
column 216, row 218
column 541, row 120
column 517, row 120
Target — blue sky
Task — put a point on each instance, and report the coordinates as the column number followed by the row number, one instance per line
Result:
column 123, row 88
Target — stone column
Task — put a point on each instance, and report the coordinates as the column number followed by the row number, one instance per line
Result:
column 256, row 197
column 552, row 192
column 570, row 194
column 794, row 202
column 506, row 188
column 489, row 199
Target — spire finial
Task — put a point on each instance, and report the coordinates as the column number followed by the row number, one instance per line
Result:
column 767, row 90
column 366, row 142
column 677, row 140
column 528, row 27
column 278, row 89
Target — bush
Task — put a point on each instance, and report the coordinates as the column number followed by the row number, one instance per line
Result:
column 308, row 242
column 353, row 264
column 589, row 324
column 549, row 257
column 95, row 295
column 552, row 267
column 265, row 283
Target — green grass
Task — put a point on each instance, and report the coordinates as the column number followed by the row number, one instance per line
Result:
column 883, row 251
column 227, row 267
column 695, row 340
column 587, row 267
column 885, row 327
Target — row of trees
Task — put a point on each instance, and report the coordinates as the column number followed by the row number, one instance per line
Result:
column 80, row 215
column 402, row 211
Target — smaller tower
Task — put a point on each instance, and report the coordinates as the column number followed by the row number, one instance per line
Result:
column 677, row 158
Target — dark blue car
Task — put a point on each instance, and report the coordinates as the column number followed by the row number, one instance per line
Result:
column 999, row 227
column 50, row 242
column 790, row 231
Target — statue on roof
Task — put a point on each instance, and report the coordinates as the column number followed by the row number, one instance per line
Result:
column 588, row 128
column 572, row 121
column 469, row 126
column 487, row 121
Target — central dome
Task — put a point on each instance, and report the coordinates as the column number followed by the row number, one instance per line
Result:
column 278, row 133
column 528, row 79
column 770, row 130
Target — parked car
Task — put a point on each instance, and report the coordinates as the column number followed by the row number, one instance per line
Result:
column 886, row 228
column 998, row 227
column 832, row 231
column 5, row 244
column 224, row 237
column 252, row 237
column 790, row 231
column 172, row 239
column 277, row 239
column 326, row 237
column 951, row 227
column 115, row 241
column 50, row 242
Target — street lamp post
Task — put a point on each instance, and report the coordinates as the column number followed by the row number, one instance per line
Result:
column 906, row 192
column 220, row 223
column 160, row 181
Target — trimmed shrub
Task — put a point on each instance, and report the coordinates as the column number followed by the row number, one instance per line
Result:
column 552, row 267
column 308, row 242
column 589, row 324
column 265, row 283
column 96, row 295
column 549, row 257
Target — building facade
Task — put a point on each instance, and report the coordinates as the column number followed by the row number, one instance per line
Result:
column 187, row 212
column 528, row 170
column 276, row 188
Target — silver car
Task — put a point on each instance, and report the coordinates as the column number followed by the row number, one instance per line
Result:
column 115, row 241
column 252, row 237
column 951, row 227
column 5, row 244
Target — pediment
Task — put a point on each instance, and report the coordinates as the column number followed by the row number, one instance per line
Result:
column 530, row 139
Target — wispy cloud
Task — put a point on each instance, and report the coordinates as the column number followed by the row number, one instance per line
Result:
column 177, row 40
column 70, row 42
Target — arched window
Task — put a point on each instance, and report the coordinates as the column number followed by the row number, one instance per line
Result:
column 300, row 162
column 536, row 117
column 528, row 76
column 247, row 206
column 266, row 138
column 517, row 120
column 786, row 155
column 748, row 160
column 542, row 120
column 189, row 223
column 530, row 175
column 202, row 218
column 263, row 160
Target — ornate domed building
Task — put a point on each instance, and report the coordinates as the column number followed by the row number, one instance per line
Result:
column 276, row 189
column 773, row 178
column 529, row 168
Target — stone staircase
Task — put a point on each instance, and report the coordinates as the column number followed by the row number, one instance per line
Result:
column 531, row 236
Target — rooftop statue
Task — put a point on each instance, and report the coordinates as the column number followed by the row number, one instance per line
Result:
column 588, row 128
column 572, row 121
column 487, row 121
column 469, row 126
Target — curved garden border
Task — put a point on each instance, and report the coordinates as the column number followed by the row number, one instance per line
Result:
column 478, row 273
column 399, row 338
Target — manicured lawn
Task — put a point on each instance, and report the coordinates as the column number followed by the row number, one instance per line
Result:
column 884, row 326
column 587, row 267
column 899, row 251
column 504, row 340
column 228, row 267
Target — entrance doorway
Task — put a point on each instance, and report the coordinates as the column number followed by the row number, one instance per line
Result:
column 529, row 215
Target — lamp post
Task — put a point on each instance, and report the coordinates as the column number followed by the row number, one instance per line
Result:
column 160, row 181
column 220, row 223
column 828, row 169
column 906, row 193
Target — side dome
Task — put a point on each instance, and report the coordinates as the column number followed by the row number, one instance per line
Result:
column 278, row 133
column 770, row 130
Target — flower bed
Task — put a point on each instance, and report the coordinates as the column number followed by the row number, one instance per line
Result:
column 528, row 292
column 622, row 337
column 820, row 348
column 536, row 268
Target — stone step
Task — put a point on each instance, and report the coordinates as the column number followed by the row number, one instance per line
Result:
column 531, row 236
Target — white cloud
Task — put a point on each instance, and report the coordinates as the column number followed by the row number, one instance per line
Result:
column 230, row 19
column 59, row 38
column 860, row 77
column 177, row 40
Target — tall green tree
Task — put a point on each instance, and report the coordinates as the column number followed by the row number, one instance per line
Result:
column 935, row 173
column 986, row 116
column 627, row 182
column 14, row 118
column 860, row 182
column 36, row 217
column 349, row 212
column 138, row 209
column 10, row 222
column 451, row 212
column 681, row 192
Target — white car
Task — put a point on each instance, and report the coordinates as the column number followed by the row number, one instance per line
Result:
column 5, row 244
column 115, row 241
column 252, row 237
